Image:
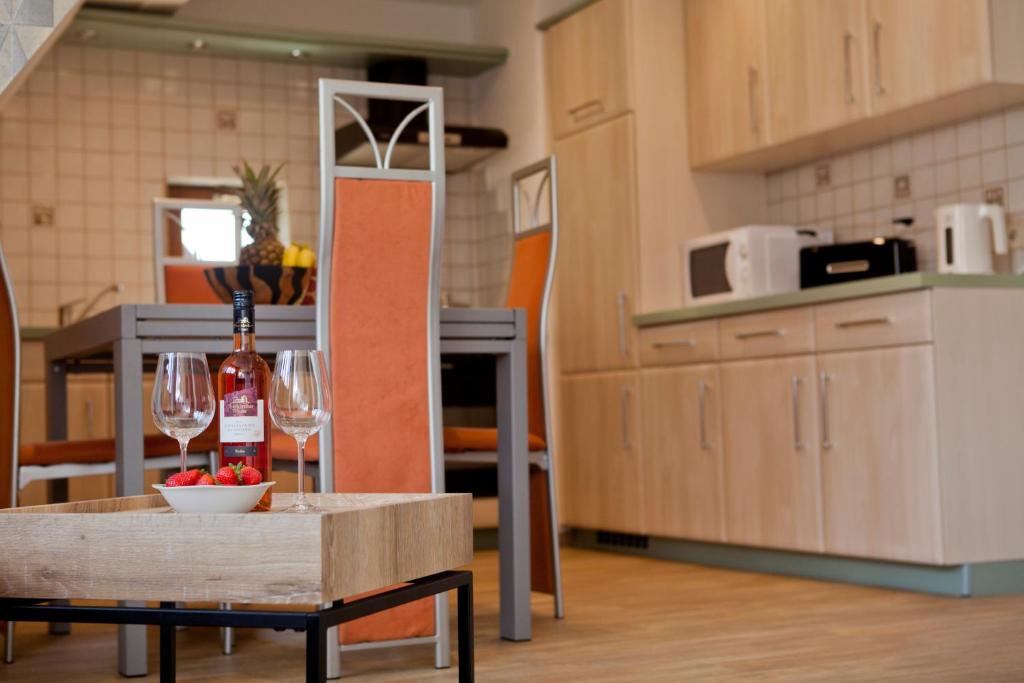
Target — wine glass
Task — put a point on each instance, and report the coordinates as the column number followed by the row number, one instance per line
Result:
column 300, row 405
column 183, row 401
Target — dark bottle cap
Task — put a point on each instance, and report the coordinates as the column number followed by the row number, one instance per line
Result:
column 244, row 312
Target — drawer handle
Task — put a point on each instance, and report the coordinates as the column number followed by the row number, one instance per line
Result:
column 623, row 337
column 848, row 68
column 876, row 39
column 752, row 81
column 865, row 322
column 826, row 432
column 798, row 443
column 587, row 109
column 624, row 416
column 686, row 343
column 744, row 336
column 702, row 394
column 844, row 267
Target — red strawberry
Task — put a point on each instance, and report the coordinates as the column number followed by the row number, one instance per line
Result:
column 206, row 480
column 179, row 479
column 228, row 475
column 193, row 476
column 250, row 476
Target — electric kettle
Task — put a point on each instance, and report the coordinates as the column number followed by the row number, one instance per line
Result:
column 967, row 235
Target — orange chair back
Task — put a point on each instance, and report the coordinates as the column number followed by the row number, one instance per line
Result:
column 186, row 284
column 10, row 352
column 526, row 290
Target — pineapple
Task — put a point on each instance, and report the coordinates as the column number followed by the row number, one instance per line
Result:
column 259, row 196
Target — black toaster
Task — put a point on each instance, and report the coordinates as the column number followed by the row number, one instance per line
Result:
column 833, row 263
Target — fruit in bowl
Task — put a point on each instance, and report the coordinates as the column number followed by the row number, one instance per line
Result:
column 232, row 489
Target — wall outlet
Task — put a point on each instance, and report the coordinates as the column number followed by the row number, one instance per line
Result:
column 901, row 187
column 42, row 216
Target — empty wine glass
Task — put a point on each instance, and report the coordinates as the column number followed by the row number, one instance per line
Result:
column 183, row 400
column 300, row 405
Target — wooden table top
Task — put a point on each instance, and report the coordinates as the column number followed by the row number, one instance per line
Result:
column 120, row 549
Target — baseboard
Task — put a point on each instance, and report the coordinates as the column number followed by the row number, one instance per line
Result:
column 988, row 578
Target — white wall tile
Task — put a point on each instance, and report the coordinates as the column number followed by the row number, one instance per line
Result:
column 968, row 138
column 945, row 143
column 993, row 166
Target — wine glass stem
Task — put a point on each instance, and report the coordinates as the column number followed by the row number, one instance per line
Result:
column 301, row 443
column 183, row 445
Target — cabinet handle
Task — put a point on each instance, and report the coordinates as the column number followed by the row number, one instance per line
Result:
column 702, row 392
column 627, row 443
column 90, row 416
column 588, row 108
column 744, row 336
column 876, row 40
column 826, row 433
column 623, row 337
column 848, row 67
column 686, row 343
column 752, row 78
column 798, row 443
column 847, row 324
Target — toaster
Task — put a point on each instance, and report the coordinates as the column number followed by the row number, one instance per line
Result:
column 834, row 263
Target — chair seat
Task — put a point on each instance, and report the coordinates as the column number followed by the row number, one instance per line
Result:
column 90, row 451
column 460, row 439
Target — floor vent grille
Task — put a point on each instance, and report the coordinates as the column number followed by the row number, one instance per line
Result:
column 619, row 540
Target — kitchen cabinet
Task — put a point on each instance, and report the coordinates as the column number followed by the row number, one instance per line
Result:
column 725, row 78
column 595, row 282
column 603, row 454
column 815, row 71
column 682, row 452
column 772, row 473
column 879, row 456
column 588, row 72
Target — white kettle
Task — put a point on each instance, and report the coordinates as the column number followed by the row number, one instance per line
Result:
column 967, row 235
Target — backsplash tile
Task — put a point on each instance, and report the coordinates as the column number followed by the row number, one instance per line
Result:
column 964, row 162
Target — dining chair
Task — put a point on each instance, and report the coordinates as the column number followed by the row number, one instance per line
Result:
column 21, row 464
column 378, row 325
column 529, row 287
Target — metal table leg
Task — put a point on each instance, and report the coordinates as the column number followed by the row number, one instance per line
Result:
column 168, row 633
column 129, row 475
column 465, row 624
column 316, row 649
column 513, row 488
column 57, row 430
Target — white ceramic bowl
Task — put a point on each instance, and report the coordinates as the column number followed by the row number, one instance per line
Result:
column 212, row 499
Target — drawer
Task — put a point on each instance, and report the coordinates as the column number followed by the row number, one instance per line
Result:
column 890, row 320
column 777, row 333
column 677, row 344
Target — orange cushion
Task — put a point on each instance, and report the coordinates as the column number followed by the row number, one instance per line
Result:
column 186, row 284
column 282, row 447
column 526, row 290
column 459, row 439
column 91, row 451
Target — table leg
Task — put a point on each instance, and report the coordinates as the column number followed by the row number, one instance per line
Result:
column 513, row 489
column 168, row 633
column 57, row 430
column 465, row 623
column 129, row 476
column 316, row 650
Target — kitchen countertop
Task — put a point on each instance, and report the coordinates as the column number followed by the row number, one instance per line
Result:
column 817, row 295
column 36, row 333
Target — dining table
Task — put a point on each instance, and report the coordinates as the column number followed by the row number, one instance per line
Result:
column 126, row 339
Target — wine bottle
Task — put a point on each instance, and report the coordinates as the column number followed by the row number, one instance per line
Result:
column 243, row 387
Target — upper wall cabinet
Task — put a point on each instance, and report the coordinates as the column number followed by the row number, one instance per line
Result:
column 725, row 74
column 588, row 67
column 841, row 74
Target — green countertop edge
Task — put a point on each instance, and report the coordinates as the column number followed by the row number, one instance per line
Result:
column 545, row 24
column 817, row 295
column 36, row 333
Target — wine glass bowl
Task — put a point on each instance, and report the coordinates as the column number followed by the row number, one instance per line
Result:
column 300, row 405
column 183, row 402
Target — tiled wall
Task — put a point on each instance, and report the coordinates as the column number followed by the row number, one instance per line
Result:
column 95, row 133
column 859, row 194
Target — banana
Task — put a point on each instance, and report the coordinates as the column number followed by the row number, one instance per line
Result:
column 306, row 258
column 291, row 255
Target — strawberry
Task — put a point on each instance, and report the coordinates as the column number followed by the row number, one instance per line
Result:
column 206, row 480
column 228, row 475
column 193, row 476
column 250, row 476
column 179, row 479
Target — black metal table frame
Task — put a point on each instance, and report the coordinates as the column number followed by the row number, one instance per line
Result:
column 314, row 623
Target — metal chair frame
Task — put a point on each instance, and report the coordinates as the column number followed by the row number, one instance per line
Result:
column 431, row 102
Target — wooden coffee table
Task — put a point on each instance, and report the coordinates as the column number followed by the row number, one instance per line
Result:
column 132, row 549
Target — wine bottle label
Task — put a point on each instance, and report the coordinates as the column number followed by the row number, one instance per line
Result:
column 241, row 451
column 241, row 417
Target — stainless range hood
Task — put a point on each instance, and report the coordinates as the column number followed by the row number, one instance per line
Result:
column 464, row 145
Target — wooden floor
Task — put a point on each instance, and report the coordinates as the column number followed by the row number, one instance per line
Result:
column 629, row 619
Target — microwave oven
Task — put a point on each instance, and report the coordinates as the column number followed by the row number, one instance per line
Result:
column 754, row 260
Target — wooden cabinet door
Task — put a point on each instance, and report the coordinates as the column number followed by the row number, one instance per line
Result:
column 596, row 272
column 588, row 65
column 815, row 65
column 682, row 452
column 920, row 50
column 725, row 78
column 772, row 475
column 90, row 414
column 601, row 452
column 879, row 457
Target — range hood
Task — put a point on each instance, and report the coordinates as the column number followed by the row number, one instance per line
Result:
column 464, row 145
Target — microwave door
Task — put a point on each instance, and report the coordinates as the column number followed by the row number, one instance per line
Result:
column 710, row 272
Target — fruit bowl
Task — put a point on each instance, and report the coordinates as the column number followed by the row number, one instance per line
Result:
column 213, row 500
column 269, row 284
